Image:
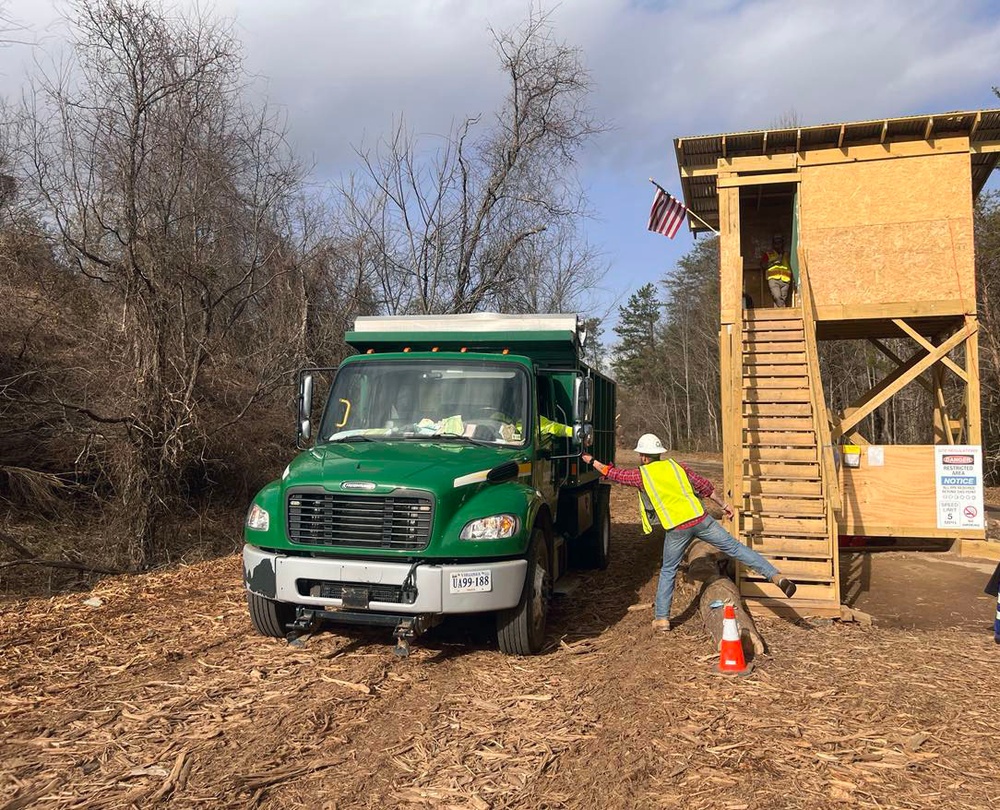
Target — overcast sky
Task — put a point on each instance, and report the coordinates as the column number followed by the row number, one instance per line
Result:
column 343, row 69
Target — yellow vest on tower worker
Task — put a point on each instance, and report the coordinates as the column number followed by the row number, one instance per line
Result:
column 667, row 496
column 777, row 265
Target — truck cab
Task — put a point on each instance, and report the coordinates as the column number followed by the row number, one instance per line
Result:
column 443, row 477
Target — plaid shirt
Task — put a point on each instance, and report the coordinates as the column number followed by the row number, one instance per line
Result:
column 632, row 477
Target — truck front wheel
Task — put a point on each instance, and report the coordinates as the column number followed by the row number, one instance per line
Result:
column 521, row 629
column 269, row 618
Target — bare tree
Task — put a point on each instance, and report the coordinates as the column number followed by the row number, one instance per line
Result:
column 466, row 225
column 170, row 198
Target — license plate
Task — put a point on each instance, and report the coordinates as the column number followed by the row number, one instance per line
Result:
column 471, row 581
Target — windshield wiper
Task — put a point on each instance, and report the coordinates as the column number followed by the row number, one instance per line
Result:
column 462, row 437
column 354, row 437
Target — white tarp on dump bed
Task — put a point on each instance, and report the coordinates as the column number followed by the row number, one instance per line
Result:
column 473, row 322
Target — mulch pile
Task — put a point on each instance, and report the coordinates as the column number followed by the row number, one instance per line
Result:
column 157, row 693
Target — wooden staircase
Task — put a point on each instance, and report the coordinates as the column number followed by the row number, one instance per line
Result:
column 786, row 512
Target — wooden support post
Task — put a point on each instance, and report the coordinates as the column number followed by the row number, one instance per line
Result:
column 973, row 417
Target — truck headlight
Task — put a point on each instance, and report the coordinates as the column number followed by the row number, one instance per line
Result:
column 494, row 527
column 258, row 519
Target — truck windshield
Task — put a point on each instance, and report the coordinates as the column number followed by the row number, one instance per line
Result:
column 472, row 401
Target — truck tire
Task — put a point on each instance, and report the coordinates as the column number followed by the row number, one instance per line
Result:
column 268, row 617
column 593, row 547
column 521, row 629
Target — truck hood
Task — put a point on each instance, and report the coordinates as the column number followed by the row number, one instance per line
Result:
column 437, row 466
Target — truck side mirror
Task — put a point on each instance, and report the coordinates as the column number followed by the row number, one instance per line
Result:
column 583, row 399
column 305, row 406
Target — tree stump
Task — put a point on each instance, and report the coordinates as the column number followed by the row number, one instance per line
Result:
column 706, row 565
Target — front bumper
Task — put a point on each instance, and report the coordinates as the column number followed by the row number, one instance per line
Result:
column 286, row 579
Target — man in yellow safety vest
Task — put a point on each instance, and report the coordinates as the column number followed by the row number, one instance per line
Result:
column 669, row 495
column 776, row 265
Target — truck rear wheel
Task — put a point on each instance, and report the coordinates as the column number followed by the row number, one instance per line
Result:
column 269, row 618
column 521, row 629
column 594, row 545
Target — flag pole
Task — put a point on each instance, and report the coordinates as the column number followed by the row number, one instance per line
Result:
column 688, row 210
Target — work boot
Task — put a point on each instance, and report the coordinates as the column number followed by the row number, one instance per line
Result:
column 661, row 625
column 787, row 586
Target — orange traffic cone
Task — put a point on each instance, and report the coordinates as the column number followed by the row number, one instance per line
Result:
column 731, row 660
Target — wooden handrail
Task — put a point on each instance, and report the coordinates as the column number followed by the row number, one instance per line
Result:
column 822, row 424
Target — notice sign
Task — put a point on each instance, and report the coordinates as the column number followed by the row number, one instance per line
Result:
column 958, row 473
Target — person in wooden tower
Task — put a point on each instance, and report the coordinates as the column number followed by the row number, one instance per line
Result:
column 669, row 495
column 776, row 265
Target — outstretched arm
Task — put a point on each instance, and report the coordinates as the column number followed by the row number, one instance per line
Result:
column 627, row 477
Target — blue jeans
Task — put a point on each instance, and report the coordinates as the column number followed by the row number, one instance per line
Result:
column 676, row 542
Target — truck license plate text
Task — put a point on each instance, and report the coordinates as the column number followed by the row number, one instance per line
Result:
column 471, row 581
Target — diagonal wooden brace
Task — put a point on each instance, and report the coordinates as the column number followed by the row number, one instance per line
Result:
column 913, row 333
column 898, row 379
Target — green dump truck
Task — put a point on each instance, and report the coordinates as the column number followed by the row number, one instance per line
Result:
column 444, row 478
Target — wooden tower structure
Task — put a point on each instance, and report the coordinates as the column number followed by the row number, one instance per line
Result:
column 877, row 217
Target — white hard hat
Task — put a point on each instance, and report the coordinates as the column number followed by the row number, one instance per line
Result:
column 650, row 445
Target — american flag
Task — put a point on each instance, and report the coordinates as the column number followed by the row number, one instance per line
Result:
column 666, row 215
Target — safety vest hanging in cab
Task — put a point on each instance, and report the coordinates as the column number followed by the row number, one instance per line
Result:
column 666, row 496
column 777, row 266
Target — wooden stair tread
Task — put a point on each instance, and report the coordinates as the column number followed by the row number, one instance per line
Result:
column 817, row 591
column 764, row 551
column 813, row 579
column 769, row 346
column 772, row 313
column 790, row 423
column 777, row 409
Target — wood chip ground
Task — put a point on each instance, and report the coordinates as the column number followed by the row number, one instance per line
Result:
column 162, row 696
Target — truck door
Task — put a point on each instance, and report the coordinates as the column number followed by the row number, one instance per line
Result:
column 547, row 469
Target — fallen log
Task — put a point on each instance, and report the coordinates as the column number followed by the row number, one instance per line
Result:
column 706, row 565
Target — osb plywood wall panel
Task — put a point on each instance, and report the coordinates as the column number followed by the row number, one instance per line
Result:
column 899, row 494
column 889, row 231
column 897, row 499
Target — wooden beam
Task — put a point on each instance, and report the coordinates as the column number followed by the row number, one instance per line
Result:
column 723, row 146
column 906, row 373
column 984, row 147
column 786, row 162
column 798, row 139
column 929, row 128
column 893, row 149
column 763, row 149
column 701, row 171
column 913, row 333
column 975, row 124
column 759, row 179
column 840, row 137
column 885, row 131
column 900, row 309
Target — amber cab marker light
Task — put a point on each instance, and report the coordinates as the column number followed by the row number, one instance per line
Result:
column 370, row 351
column 463, row 349
column 406, row 348
column 506, row 351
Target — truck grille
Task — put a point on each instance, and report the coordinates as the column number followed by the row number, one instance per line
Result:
column 398, row 521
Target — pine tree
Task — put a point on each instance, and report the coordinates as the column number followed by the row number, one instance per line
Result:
column 638, row 331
